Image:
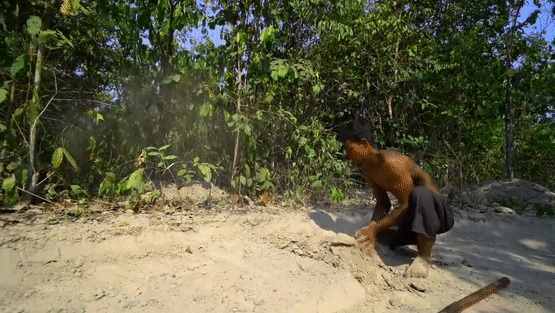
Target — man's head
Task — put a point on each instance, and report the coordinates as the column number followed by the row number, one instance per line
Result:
column 356, row 130
column 357, row 140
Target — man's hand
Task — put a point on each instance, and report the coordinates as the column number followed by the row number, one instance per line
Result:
column 367, row 235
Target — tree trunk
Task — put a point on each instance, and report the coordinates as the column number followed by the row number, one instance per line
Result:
column 35, row 104
column 34, row 109
column 509, row 126
column 237, row 110
column 509, row 107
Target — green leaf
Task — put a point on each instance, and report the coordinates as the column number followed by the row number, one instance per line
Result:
column 135, row 180
column 288, row 152
column 261, row 176
column 336, row 194
column 23, row 175
column 70, row 159
column 3, row 127
column 8, row 184
column 99, row 117
column 269, row 97
column 11, row 195
column 171, row 79
column 17, row 66
column 17, row 113
column 247, row 130
column 92, row 143
column 267, row 34
column 63, row 40
column 34, row 24
column 3, row 95
column 111, row 176
column 247, row 170
column 316, row 89
column 170, row 157
column 57, row 157
column 164, row 147
column 243, row 180
column 107, row 185
column 77, row 189
column 205, row 171
column 316, row 184
column 240, row 38
column 182, row 172
column 283, row 69
column 206, row 110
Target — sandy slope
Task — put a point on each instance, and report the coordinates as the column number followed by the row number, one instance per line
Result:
column 264, row 260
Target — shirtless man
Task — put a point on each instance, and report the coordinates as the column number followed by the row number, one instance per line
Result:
column 422, row 212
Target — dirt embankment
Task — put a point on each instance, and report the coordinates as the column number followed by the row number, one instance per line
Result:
column 275, row 259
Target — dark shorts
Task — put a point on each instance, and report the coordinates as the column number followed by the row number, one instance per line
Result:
column 428, row 214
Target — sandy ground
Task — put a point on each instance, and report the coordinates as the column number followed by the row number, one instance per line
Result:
column 266, row 259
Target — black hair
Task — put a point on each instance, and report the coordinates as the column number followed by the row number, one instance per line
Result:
column 356, row 130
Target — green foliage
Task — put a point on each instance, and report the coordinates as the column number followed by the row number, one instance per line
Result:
column 185, row 173
column 70, row 7
column 256, row 180
column 139, row 188
column 13, row 173
column 77, row 191
column 336, row 194
column 33, row 25
column 59, row 155
column 163, row 159
column 3, row 96
column 9, row 189
column 132, row 186
column 133, row 183
column 205, row 169
column 108, row 185
column 314, row 161
column 121, row 75
column 533, row 164
column 55, row 38
column 268, row 34
column 544, row 210
column 512, row 202
column 17, row 65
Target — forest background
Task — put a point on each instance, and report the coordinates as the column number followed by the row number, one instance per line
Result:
column 108, row 98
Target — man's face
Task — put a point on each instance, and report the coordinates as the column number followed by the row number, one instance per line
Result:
column 357, row 150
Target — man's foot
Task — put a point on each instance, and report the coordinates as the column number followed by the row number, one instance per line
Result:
column 419, row 268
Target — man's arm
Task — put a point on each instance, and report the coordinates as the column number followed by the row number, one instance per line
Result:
column 383, row 205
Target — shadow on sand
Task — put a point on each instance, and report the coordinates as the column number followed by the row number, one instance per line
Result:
column 351, row 220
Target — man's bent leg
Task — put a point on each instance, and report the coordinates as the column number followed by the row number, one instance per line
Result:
column 427, row 220
column 420, row 266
